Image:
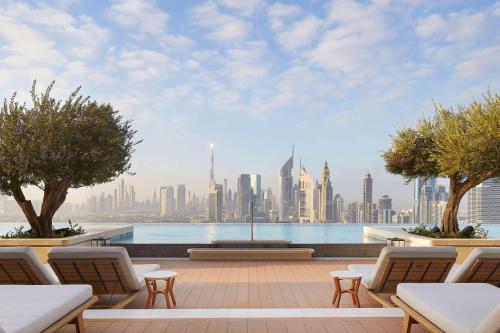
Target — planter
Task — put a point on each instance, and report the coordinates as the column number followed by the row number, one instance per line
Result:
column 41, row 246
column 463, row 246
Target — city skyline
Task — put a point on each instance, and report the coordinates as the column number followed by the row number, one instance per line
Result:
column 255, row 77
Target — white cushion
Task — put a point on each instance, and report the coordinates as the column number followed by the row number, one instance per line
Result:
column 453, row 307
column 458, row 274
column 28, row 255
column 491, row 324
column 140, row 270
column 437, row 252
column 366, row 270
column 33, row 308
column 108, row 252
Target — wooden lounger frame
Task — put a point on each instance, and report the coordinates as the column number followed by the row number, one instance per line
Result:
column 413, row 317
column 17, row 271
column 105, row 275
column 483, row 270
column 74, row 317
column 409, row 270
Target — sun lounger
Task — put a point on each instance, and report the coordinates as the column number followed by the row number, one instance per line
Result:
column 43, row 308
column 450, row 307
column 482, row 266
column 405, row 264
column 107, row 269
column 20, row 265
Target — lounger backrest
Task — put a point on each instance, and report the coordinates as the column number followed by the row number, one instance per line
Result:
column 411, row 264
column 482, row 265
column 20, row 265
column 107, row 269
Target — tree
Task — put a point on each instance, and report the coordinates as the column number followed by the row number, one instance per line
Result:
column 56, row 145
column 463, row 146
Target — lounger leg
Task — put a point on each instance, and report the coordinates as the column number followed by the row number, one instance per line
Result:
column 166, row 292
column 78, row 321
column 337, row 287
column 171, row 291
column 407, row 322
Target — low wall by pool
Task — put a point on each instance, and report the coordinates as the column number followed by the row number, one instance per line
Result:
column 368, row 250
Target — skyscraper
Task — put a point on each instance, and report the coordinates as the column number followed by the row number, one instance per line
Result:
column 429, row 201
column 367, row 197
column 326, row 195
column 385, row 211
column 338, row 208
column 214, row 193
column 163, row 201
column 215, row 203
column 181, row 199
column 285, row 190
column 484, row 202
column 306, row 197
column 121, row 193
column 255, row 183
column 244, row 196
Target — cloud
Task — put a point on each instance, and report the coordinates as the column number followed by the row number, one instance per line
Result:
column 245, row 7
column 222, row 27
column 483, row 62
column 142, row 15
column 456, row 27
column 279, row 12
column 145, row 64
column 300, row 34
column 357, row 41
column 430, row 25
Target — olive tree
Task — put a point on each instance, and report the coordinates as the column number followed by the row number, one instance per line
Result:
column 462, row 145
column 59, row 144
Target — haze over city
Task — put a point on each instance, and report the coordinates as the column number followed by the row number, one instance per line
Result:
column 256, row 77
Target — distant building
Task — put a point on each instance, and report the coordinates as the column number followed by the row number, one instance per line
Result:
column 167, row 201
column 181, row 199
column 353, row 212
column 215, row 199
column 367, row 197
column 484, row 202
column 385, row 211
column 244, row 196
column 268, row 203
column 255, row 184
column 285, row 190
column 338, row 209
column 405, row 216
column 429, row 201
column 306, row 197
column 326, row 202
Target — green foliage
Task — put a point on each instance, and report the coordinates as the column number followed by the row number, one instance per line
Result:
column 71, row 230
column 465, row 143
column 424, row 230
column 56, row 145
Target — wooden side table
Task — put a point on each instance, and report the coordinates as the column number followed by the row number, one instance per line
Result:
column 151, row 279
column 353, row 290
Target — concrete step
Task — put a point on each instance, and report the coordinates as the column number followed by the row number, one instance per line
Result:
column 250, row 254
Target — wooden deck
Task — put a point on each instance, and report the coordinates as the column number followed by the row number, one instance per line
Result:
column 316, row 325
column 254, row 284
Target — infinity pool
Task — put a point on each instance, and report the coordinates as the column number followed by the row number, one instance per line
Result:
column 178, row 233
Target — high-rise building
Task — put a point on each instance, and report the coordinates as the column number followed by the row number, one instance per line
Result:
column 353, row 212
column 167, row 201
column 115, row 199
column 429, row 200
column 132, row 197
column 224, row 200
column 255, row 184
column 181, row 199
column 244, row 196
column 121, row 193
column 215, row 203
column 385, row 211
column 285, row 190
column 268, row 201
column 326, row 211
column 367, row 197
column 338, row 209
column 306, row 197
column 484, row 202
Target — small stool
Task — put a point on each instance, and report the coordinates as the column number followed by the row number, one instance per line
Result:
column 353, row 290
column 151, row 278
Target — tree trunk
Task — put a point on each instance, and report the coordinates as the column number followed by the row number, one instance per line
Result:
column 53, row 197
column 457, row 191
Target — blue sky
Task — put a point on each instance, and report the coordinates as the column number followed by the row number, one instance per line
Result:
column 336, row 78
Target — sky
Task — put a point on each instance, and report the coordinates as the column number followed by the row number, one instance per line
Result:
column 334, row 78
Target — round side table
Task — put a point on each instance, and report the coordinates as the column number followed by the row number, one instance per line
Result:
column 353, row 290
column 151, row 279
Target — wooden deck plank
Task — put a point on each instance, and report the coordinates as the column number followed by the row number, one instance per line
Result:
column 253, row 284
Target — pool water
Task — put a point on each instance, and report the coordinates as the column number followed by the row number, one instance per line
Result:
column 179, row 233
